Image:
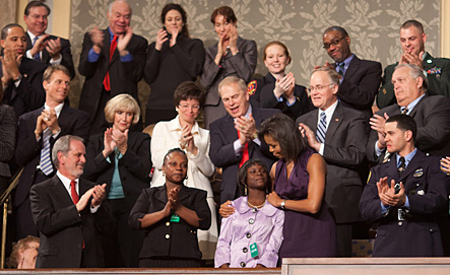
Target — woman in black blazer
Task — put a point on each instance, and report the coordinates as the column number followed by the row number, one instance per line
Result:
column 121, row 159
column 171, row 215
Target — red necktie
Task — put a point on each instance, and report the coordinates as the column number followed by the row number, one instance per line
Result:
column 75, row 197
column 112, row 48
column 245, row 156
column 73, row 192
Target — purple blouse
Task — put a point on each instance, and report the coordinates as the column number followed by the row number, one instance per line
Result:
column 246, row 227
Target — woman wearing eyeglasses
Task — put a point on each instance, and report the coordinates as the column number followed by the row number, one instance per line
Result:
column 184, row 132
column 277, row 89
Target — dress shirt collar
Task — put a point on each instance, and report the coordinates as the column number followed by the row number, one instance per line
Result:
column 66, row 183
column 412, row 104
column 408, row 158
column 175, row 126
column 242, row 207
column 57, row 108
column 328, row 112
column 111, row 35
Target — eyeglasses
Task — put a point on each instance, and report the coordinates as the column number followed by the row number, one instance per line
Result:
column 319, row 87
column 334, row 42
column 194, row 107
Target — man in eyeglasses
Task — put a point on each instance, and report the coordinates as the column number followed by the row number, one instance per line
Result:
column 338, row 133
column 412, row 40
column 360, row 78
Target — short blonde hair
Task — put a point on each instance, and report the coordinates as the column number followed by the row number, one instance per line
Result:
column 122, row 102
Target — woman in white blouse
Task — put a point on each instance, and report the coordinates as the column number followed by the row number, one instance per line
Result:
column 184, row 132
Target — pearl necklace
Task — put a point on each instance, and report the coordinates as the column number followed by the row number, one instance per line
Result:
column 255, row 207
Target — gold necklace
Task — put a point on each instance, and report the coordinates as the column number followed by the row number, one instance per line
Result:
column 255, row 207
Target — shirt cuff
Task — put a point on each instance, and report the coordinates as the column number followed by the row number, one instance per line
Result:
column 56, row 61
column 291, row 104
column 126, row 58
column 321, row 149
column 384, row 209
column 93, row 56
column 237, row 147
column 378, row 151
column 406, row 205
column 95, row 209
column 28, row 54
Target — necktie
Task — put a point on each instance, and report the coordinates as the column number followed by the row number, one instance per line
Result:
column 112, row 48
column 45, row 160
column 38, row 55
column 340, row 68
column 322, row 129
column 401, row 167
column 245, row 155
column 73, row 192
column 404, row 110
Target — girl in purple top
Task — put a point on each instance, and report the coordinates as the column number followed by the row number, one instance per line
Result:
column 252, row 235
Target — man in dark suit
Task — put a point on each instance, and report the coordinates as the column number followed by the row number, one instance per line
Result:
column 48, row 49
column 22, row 77
column 234, row 137
column 341, row 140
column 412, row 40
column 38, row 130
column 361, row 78
column 405, row 196
column 431, row 113
column 112, row 60
column 67, row 218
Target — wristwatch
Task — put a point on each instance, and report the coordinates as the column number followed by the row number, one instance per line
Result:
column 283, row 204
column 255, row 135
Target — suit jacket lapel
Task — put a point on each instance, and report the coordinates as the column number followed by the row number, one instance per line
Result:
column 61, row 191
column 334, row 122
column 352, row 68
column 414, row 111
column 229, row 130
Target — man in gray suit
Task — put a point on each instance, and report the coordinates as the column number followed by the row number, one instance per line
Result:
column 338, row 133
column 431, row 113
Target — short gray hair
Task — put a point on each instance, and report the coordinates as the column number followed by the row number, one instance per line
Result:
column 233, row 79
column 415, row 72
column 62, row 145
column 332, row 74
column 113, row 2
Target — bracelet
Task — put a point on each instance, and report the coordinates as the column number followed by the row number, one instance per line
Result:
column 283, row 204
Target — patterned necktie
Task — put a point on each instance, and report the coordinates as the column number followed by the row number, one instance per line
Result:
column 112, row 48
column 340, row 68
column 245, row 155
column 45, row 160
column 404, row 110
column 73, row 192
column 37, row 56
column 401, row 167
column 322, row 129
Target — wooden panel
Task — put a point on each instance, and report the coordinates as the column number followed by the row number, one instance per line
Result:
column 366, row 266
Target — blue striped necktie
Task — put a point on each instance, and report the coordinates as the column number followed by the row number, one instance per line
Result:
column 38, row 55
column 322, row 129
column 46, row 162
